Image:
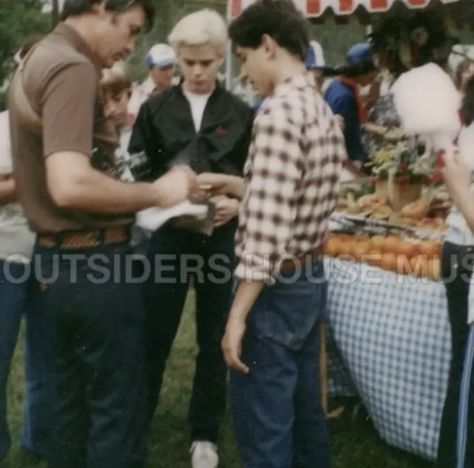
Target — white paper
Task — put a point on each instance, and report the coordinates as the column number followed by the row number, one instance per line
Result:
column 154, row 218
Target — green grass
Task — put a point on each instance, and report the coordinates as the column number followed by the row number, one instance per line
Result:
column 354, row 442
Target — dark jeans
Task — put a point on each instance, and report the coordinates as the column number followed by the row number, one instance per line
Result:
column 179, row 257
column 14, row 288
column 457, row 266
column 278, row 418
column 96, row 319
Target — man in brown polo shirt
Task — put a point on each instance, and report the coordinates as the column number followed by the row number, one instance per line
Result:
column 63, row 163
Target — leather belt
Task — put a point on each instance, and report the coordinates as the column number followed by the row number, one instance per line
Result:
column 293, row 263
column 85, row 239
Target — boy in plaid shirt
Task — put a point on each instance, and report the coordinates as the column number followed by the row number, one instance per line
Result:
column 288, row 193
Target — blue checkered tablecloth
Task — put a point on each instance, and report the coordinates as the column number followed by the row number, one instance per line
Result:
column 389, row 342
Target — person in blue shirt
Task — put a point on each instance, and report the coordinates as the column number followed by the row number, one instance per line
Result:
column 343, row 97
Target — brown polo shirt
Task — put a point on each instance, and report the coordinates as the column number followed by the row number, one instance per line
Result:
column 61, row 80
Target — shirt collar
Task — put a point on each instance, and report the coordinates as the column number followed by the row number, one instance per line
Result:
column 299, row 81
column 74, row 38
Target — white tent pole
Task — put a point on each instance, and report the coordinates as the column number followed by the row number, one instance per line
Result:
column 228, row 66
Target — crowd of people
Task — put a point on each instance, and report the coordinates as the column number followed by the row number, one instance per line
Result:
column 83, row 150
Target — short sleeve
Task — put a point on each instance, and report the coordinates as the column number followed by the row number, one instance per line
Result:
column 68, row 107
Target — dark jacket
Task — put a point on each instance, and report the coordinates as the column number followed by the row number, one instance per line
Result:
column 164, row 134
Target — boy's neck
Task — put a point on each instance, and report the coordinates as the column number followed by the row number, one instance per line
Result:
column 286, row 67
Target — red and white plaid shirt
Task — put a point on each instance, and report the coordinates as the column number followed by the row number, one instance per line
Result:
column 292, row 179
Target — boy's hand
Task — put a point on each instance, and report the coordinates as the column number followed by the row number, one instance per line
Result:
column 232, row 344
column 226, row 209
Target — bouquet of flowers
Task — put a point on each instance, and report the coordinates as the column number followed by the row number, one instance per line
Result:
column 401, row 170
column 402, row 162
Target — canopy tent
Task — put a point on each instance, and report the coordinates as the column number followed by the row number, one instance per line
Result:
column 318, row 8
column 458, row 12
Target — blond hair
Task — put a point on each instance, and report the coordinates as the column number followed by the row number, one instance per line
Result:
column 115, row 79
column 200, row 28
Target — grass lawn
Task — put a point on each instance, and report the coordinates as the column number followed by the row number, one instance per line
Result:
column 354, row 442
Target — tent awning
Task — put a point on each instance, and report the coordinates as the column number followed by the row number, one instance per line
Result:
column 316, row 8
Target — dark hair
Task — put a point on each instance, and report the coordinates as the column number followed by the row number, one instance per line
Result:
column 76, row 7
column 279, row 19
column 467, row 108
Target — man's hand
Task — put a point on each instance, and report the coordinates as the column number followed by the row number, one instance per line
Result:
column 226, row 209
column 232, row 344
column 175, row 186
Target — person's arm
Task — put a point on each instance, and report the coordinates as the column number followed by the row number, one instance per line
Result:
column 269, row 207
column 245, row 297
column 74, row 183
column 7, row 190
column 221, row 184
column 457, row 178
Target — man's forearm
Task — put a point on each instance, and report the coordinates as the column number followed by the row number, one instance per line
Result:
column 74, row 184
column 99, row 193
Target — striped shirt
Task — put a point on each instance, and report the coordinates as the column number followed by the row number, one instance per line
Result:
column 292, row 179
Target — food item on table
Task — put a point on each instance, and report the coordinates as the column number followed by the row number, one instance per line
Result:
column 437, row 223
column 429, row 248
column 420, row 265
column 435, row 268
column 377, row 242
column 391, row 244
column 416, row 210
column 361, row 249
column 408, row 249
column 382, row 212
column 389, row 261
column 371, row 201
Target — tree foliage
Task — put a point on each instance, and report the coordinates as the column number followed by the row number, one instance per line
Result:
column 19, row 20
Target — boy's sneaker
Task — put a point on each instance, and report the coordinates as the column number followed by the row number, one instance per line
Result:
column 204, row 454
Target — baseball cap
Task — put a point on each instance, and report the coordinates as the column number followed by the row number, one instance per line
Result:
column 360, row 54
column 160, row 55
column 314, row 56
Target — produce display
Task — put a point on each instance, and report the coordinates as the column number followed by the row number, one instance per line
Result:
column 419, row 258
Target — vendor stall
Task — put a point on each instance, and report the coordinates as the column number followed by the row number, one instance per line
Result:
column 389, row 343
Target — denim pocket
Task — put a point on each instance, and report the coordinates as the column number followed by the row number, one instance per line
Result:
column 286, row 313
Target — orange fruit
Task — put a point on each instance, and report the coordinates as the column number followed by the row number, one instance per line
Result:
column 430, row 248
column 389, row 261
column 346, row 250
column 404, row 265
column 391, row 244
column 377, row 242
column 361, row 249
column 435, row 268
column 331, row 247
column 420, row 265
column 408, row 249
column 374, row 257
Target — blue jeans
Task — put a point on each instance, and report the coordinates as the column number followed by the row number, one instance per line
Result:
column 14, row 286
column 91, row 307
column 278, row 418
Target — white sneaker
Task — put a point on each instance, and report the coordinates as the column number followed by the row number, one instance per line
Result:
column 204, row 454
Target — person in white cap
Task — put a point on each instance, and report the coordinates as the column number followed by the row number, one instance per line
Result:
column 161, row 61
column 315, row 63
